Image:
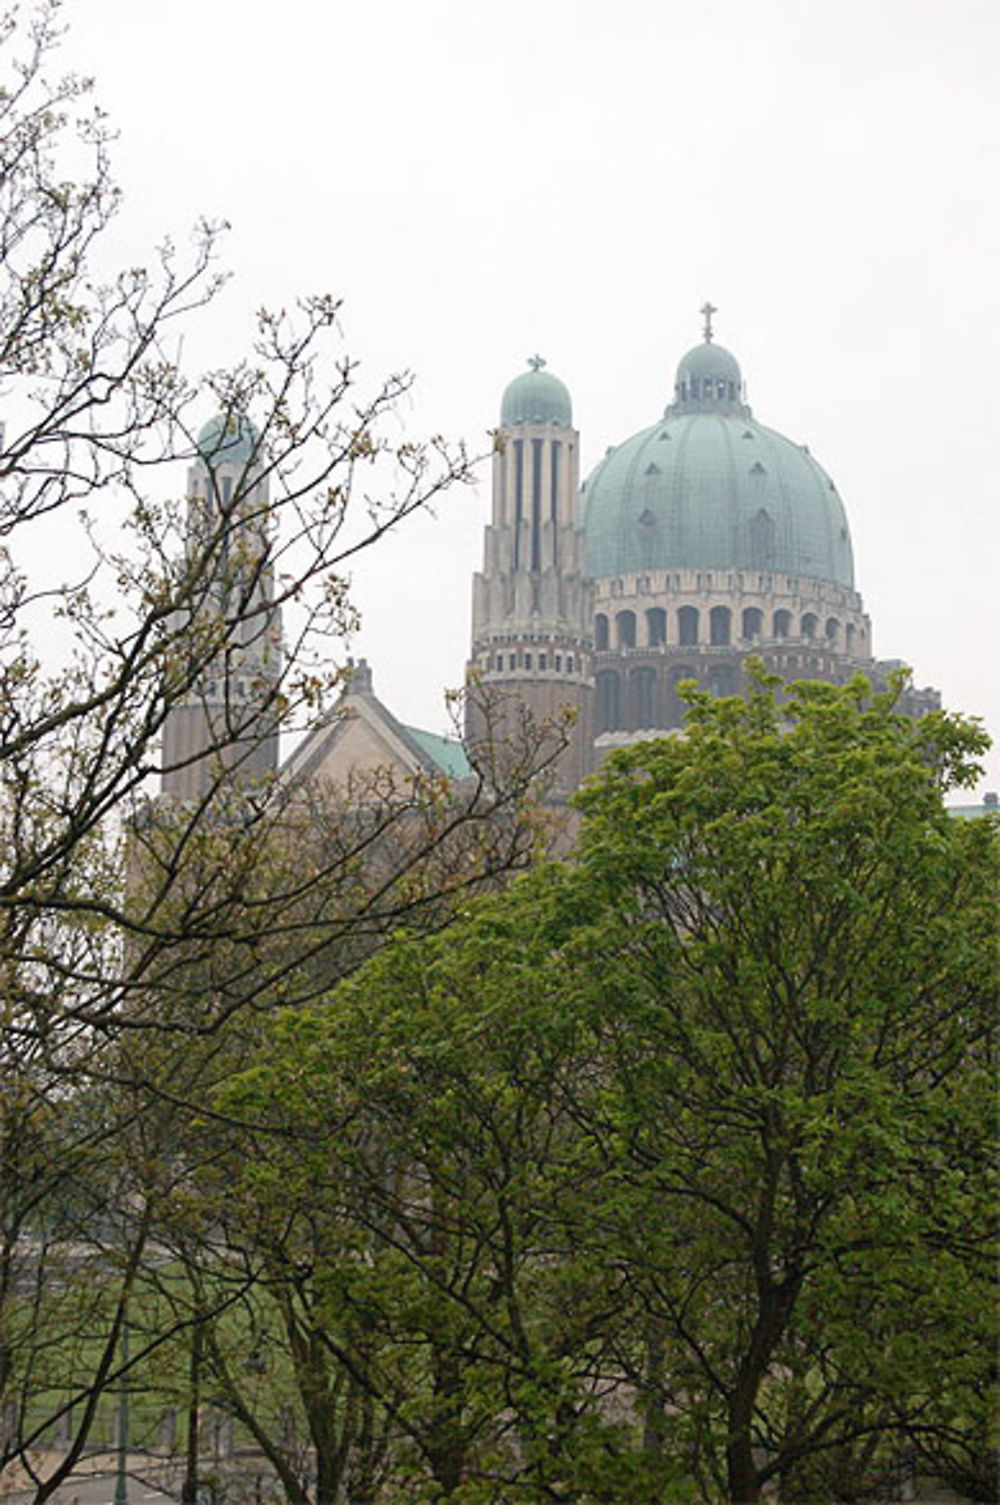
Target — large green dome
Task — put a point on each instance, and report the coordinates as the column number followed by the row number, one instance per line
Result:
column 710, row 488
column 536, row 396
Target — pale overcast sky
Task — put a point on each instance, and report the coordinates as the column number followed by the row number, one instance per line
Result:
column 480, row 180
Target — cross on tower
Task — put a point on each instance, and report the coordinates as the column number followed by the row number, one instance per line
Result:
column 536, row 362
column 708, row 310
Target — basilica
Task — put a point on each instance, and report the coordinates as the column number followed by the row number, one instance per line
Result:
column 701, row 540
column 695, row 543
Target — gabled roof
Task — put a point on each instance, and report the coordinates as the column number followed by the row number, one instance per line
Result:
column 361, row 733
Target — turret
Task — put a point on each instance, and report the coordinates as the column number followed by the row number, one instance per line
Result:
column 532, row 608
column 227, row 718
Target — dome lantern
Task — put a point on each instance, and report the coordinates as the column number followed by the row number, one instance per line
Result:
column 708, row 378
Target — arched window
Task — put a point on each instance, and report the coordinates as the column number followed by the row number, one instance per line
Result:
column 809, row 624
column 720, row 625
column 722, row 680
column 832, row 631
column 753, row 622
column 625, row 629
column 601, row 638
column 851, row 633
column 782, row 624
column 608, row 701
column 687, row 626
column 675, row 708
column 644, row 698
column 656, row 627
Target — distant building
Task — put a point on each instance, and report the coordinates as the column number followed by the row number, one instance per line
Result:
column 989, row 805
column 701, row 540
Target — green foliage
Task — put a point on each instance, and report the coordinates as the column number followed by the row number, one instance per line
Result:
column 666, row 1174
column 795, row 977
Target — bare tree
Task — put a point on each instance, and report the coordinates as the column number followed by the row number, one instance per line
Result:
column 126, row 918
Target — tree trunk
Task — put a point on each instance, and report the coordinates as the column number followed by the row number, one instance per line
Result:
column 741, row 1471
column 189, row 1488
column 446, row 1448
column 654, row 1422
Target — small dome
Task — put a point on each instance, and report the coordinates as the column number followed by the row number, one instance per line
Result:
column 708, row 378
column 228, row 439
column 536, row 396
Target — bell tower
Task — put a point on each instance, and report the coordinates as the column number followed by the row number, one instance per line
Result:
column 532, row 608
column 225, row 723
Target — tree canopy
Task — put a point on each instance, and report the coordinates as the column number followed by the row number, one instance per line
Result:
column 667, row 1172
column 663, row 1173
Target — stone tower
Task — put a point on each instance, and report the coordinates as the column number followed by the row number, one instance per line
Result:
column 226, row 724
column 532, row 608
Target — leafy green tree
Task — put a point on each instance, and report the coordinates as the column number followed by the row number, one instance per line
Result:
column 408, row 1152
column 794, row 981
column 681, row 1152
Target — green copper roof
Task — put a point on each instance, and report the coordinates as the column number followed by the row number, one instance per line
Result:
column 228, row 439
column 709, row 488
column 708, row 380
column 536, row 396
column 446, row 752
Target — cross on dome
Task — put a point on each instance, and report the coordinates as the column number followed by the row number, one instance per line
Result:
column 708, row 309
column 536, row 362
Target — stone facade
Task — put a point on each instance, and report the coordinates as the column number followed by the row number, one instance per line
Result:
column 655, row 629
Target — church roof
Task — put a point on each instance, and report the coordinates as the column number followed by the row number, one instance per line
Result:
column 708, row 487
column 447, row 753
column 708, row 380
column 362, row 733
column 536, row 396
